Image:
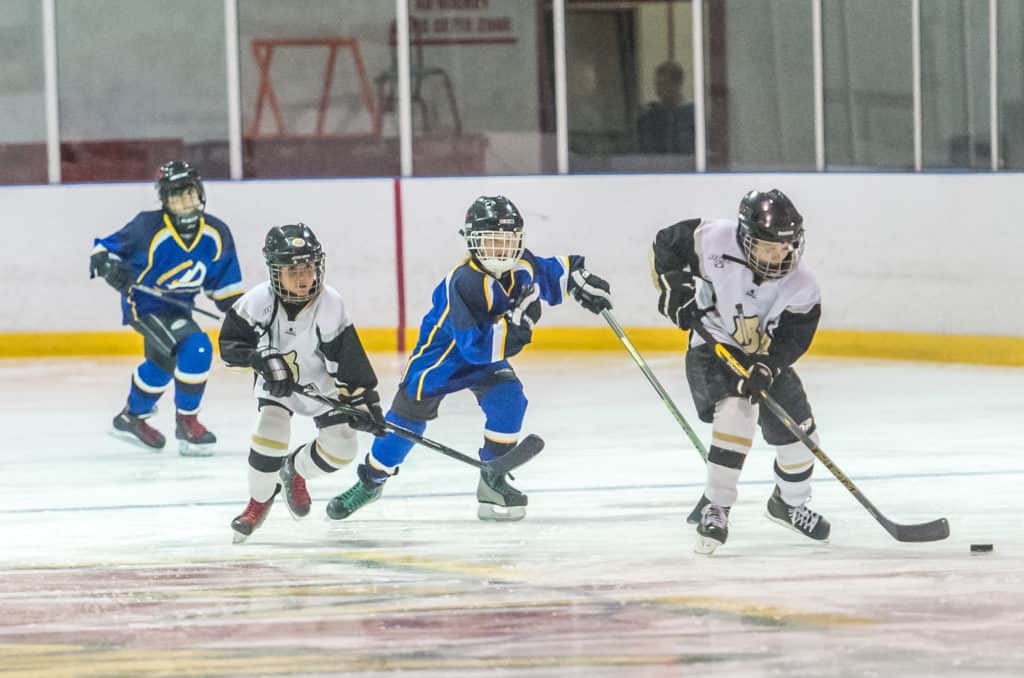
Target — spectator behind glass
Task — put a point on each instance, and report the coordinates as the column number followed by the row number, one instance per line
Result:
column 666, row 125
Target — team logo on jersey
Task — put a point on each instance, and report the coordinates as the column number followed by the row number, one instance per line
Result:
column 748, row 335
column 192, row 277
column 291, row 360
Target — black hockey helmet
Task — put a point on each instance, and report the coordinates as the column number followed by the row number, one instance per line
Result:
column 290, row 245
column 494, row 233
column 766, row 218
column 175, row 177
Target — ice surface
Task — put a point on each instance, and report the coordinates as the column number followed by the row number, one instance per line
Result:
column 115, row 561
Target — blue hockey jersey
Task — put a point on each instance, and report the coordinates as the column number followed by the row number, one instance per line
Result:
column 160, row 258
column 464, row 337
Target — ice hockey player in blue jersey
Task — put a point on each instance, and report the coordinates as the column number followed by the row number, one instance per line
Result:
column 181, row 251
column 483, row 313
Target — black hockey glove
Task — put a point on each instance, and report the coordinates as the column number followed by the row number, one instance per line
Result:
column 367, row 400
column 760, row 379
column 278, row 378
column 592, row 292
column 116, row 272
column 525, row 311
column 678, row 299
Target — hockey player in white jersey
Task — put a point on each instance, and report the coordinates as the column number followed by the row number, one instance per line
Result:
column 745, row 281
column 293, row 330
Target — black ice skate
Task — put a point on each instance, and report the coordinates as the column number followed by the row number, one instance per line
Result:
column 797, row 518
column 135, row 429
column 498, row 500
column 295, row 492
column 252, row 517
column 366, row 491
column 712, row 530
column 194, row 439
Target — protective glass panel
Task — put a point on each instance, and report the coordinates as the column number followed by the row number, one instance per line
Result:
column 22, row 97
column 869, row 106
column 480, row 79
column 1011, row 84
column 141, row 82
column 317, row 88
column 759, row 85
column 955, row 85
column 630, row 94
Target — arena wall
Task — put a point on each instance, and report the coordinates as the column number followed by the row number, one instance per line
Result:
column 907, row 262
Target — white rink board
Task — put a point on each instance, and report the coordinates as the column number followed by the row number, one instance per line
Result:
column 893, row 252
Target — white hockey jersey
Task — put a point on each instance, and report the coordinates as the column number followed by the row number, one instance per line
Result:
column 743, row 312
column 299, row 340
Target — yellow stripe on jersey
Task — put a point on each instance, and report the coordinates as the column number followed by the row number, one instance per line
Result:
column 419, row 387
column 203, row 227
column 430, row 338
column 174, row 271
column 158, row 237
column 212, row 232
column 488, row 293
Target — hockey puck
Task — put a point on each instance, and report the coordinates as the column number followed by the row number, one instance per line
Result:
column 981, row 548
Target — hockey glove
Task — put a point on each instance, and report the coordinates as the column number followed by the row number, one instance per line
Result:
column 278, row 378
column 367, row 400
column 678, row 299
column 116, row 272
column 759, row 380
column 526, row 310
column 592, row 292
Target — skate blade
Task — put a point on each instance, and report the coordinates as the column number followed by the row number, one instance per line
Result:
column 706, row 546
column 502, row 514
column 238, row 537
column 187, row 449
column 295, row 514
column 126, row 437
column 789, row 526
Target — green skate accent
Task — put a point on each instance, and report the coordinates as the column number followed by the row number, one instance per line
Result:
column 353, row 499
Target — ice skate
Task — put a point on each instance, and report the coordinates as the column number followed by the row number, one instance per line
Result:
column 295, row 492
column 252, row 517
column 712, row 530
column 366, row 491
column 134, row 429
column 797, row 518
column 194, row 439
column 499, row 500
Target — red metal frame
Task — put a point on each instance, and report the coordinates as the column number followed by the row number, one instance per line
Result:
column 263, row 53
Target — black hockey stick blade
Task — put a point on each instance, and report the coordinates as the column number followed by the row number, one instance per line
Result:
column 936, row 530
column 528, row 448
column 695, row 514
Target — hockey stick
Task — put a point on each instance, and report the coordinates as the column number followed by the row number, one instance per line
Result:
column 154, row 292
column 931, row 531
column 527, row 448
column 665, row 398
column 694, row 516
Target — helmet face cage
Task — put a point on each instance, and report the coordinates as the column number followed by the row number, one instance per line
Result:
column 769, row 218
column 293, row 245
column 175, row 177
column 494, row 233
column 768, row 269
column 497, row 251
column 276, row 268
